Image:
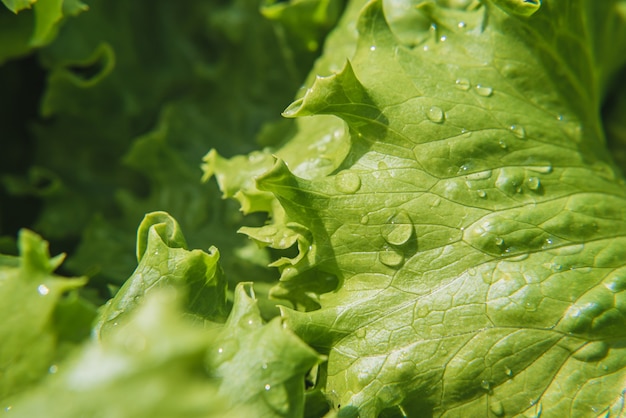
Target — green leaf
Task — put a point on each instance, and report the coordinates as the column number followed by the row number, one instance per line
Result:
column 477, row 225
column 17, row 5
column 164, row 261
column 151, row 365
column 154, row 359
column 261, row 365
column 33, row 29
column 31, row 331
column 139, row 92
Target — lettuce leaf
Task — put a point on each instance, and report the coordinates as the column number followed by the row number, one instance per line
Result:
column 32, row 307
column 444, row 203
column 162, row 347
column 477, row 224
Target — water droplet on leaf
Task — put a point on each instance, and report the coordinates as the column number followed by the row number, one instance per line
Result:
column 484, row 90
column 391, row 258
column 462, row 25
column 481, row 193
column 543, row 169
column 399, row 229
column 486, row 385
column 43, row 290
column 534, row 184
column 348, row 182
column 518, row 131
column 463, row 84
column 365, row 219
column 435, row 114
column 267, row 387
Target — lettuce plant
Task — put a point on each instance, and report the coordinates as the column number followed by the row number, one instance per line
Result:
column 445, row 206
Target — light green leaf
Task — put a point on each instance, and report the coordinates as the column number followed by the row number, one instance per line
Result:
column 261, row 365
column 164, row 261
column 151, row 365
column 34, row 28
column 477, row 226
column 29, row 296
column 17, row 5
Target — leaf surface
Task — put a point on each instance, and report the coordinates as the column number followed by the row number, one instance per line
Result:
column 477, row 225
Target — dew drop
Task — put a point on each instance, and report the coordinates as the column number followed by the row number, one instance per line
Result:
column 497, row 408
column 499, row 241
column 462, row 25
column 518, row 131
column 373, row 48
column 53, row 369
column 382, row 165
column 365, row 219
column 443, row 38
column 399, row 229
column 483, row 90
column 485, row 385
column 435, row 114
column 43, row 290
column 508, row 371
column 530, row 306
column 348, row 182
column 463, row 84
column 534, row 184
column 481, row 193
column 425, row 48
column 268, row 386
column 543, row 169
column 391, row 258
column 520, row 257
column 361, row 333
column 502, row 144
